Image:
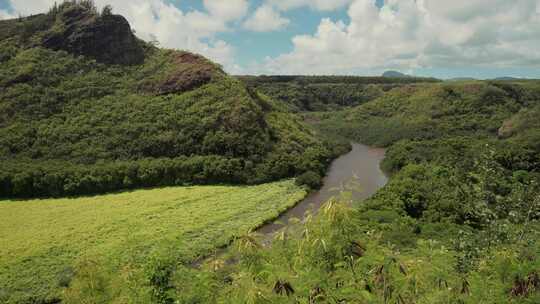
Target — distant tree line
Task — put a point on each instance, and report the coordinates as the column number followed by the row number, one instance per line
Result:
column 331, row 79
column 326, row 93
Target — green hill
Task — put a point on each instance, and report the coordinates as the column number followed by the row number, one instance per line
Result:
column 430, row 111
column 86, row 107
column 395, row 74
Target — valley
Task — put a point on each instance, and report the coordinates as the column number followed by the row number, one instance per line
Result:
column 356, row 174
column 131, row 173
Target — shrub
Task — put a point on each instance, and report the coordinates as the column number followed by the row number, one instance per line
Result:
column 107, row 10
column 310, row 179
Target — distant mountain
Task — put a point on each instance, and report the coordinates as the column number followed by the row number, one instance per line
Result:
column 506, row 78
column 395, row 74
column 462, row 79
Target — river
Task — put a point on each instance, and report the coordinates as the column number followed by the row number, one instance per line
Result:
column 357, row 171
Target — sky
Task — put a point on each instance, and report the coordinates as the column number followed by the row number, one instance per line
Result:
column 438, row 38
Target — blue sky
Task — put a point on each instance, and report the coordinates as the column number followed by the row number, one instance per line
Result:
column 445, row 39
column 255, row 46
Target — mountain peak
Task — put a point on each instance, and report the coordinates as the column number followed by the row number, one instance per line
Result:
column 395, row 74
column 78, row 28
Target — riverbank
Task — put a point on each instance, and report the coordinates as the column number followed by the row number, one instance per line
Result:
column 357, row 172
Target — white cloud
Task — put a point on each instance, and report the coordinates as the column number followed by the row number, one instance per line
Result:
column 265, row 19
column 410, row 34
column 194, row 31
column 404, row 34
column 227, row 10
column 29, row 7
column 158, row 19
column 321, row 5
column 6, row 15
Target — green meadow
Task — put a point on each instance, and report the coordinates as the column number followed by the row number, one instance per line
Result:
column 45, row 242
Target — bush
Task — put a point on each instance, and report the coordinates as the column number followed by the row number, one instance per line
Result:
column 107, row 10
column 310, row 179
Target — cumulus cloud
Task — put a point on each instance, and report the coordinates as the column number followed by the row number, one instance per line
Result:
column 227, row 10
column 173, row 28
column 5, row 15
column 30, row 6
column 265, row 19
column 321, row 5
column 402, row 34
column 410, row 34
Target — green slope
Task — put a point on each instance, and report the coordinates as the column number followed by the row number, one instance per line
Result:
column 431, row 111
column 76, row 120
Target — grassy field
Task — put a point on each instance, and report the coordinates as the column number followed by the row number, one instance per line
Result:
column 41, row 241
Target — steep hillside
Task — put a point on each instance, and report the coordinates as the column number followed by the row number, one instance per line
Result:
column 523, row 126
column 86, row 107
column 431, row 111
column 78, row 28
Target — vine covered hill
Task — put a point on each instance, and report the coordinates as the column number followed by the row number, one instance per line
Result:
column 86, row 107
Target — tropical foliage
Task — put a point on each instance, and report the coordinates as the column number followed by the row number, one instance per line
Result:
column 457, row 223
column 73, row 125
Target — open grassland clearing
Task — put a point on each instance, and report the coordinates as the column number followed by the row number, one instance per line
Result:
column 42, row 242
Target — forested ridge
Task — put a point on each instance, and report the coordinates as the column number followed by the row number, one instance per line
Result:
column 78, row 119
column 326, row 93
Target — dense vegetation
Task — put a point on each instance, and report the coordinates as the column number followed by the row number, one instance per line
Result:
column 115, row 241
column 457, row 223
column 74, row 121
column 325, row 93
column 434, row 111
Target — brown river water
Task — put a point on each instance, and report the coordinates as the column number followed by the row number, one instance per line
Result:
column 357, row 172
column 360, row 167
